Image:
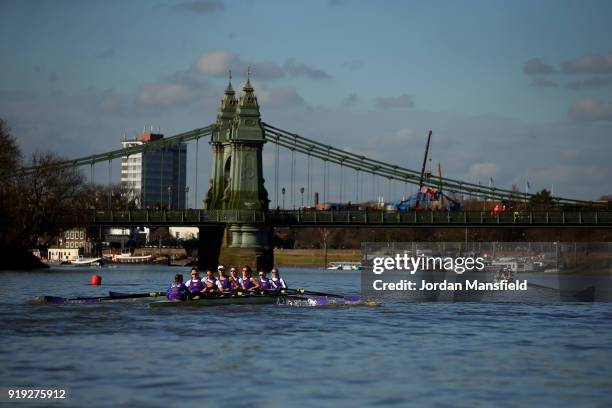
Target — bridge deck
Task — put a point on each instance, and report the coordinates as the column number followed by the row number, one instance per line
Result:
column 297, row 218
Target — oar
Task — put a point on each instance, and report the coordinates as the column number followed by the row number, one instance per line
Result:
column 57, row 299
column 271, row 293
column 350, row 298
column 120, row 295
column 97, row 299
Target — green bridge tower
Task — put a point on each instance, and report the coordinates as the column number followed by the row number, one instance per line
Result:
column 237, row 181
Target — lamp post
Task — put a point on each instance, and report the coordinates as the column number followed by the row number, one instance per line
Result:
column 283, row 191
column 169, row 197
column 186, row 196
column 302, row 193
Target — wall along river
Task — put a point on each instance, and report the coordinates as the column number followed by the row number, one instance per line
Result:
column 421, row 353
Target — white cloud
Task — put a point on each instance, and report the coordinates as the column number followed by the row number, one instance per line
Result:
column 164, row 94
column 217, row 63
column 590, row 110
column 588, row 64
column 535, row 66
column 294, row 68
column 279, row 97
column 482, row 172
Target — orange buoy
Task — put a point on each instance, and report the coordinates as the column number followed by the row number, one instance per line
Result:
column 96, row 280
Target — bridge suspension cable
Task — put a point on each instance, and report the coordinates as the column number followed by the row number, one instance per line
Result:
column 110, row 190
column 314, row 149
column 118, row 153
column 197, row 157
column 330, row 154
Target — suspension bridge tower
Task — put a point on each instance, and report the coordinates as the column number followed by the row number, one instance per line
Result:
column 237, row 181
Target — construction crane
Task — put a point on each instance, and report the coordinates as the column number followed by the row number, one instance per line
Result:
column 422, row 179
column 433, row 198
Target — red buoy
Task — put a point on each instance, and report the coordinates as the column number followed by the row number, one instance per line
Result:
column 96, row 280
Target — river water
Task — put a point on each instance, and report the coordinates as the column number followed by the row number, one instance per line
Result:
column 427, row 354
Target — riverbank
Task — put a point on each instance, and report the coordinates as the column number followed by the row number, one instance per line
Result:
column 15, row 258
column 314, row 258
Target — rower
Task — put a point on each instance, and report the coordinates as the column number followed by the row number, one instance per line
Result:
column 234, row 279
column 177, row 290
column 277, row 282
column 224, row 283
column 195, row 284
column 247, row 282
column 264, row 281
column 210, row 282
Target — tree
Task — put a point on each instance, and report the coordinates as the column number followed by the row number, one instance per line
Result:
column 33, row 206
column 161, row 236
column 46, row 199
column 10, row 160
column 542, row 200
column 10, row 154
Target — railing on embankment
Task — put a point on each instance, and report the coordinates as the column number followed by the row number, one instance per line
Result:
column 344, row 218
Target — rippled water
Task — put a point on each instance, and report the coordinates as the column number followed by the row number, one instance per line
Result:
column 421, row 354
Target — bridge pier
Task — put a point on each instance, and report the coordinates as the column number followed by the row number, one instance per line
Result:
column 248, row 244
column 236, row 231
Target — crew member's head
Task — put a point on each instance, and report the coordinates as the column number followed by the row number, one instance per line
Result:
column 246, row 271
column 178, row 278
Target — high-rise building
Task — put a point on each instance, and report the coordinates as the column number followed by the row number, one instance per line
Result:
column 155, row 178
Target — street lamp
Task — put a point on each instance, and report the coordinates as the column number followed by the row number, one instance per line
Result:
column 283, row 191
column 302, row 193
column 169, row 197
column 186, row 196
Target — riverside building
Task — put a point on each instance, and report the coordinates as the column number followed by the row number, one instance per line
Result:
column 155, row 178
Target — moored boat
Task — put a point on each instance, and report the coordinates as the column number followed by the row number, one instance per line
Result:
column 128, row 258
column 82, row 261
column 344, row 266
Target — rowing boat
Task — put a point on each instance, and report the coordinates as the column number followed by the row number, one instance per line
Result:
column 219, row 301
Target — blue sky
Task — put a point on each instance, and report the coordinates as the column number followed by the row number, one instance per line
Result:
column 513, row 90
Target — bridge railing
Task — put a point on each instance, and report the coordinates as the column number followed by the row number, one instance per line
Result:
column 443, row 217
column 178, row 216
column 349, row 218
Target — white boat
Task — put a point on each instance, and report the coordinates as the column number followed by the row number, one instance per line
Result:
column 82, row 261
column 344, row 266
column 129, row 258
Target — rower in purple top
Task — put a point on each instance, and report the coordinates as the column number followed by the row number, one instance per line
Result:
column 277, row 282
column 264, row 281
column 210, row 283
column 177, row 290
column 195, row 284
column 234, row 279
column 224, row 284
column 247, row 282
